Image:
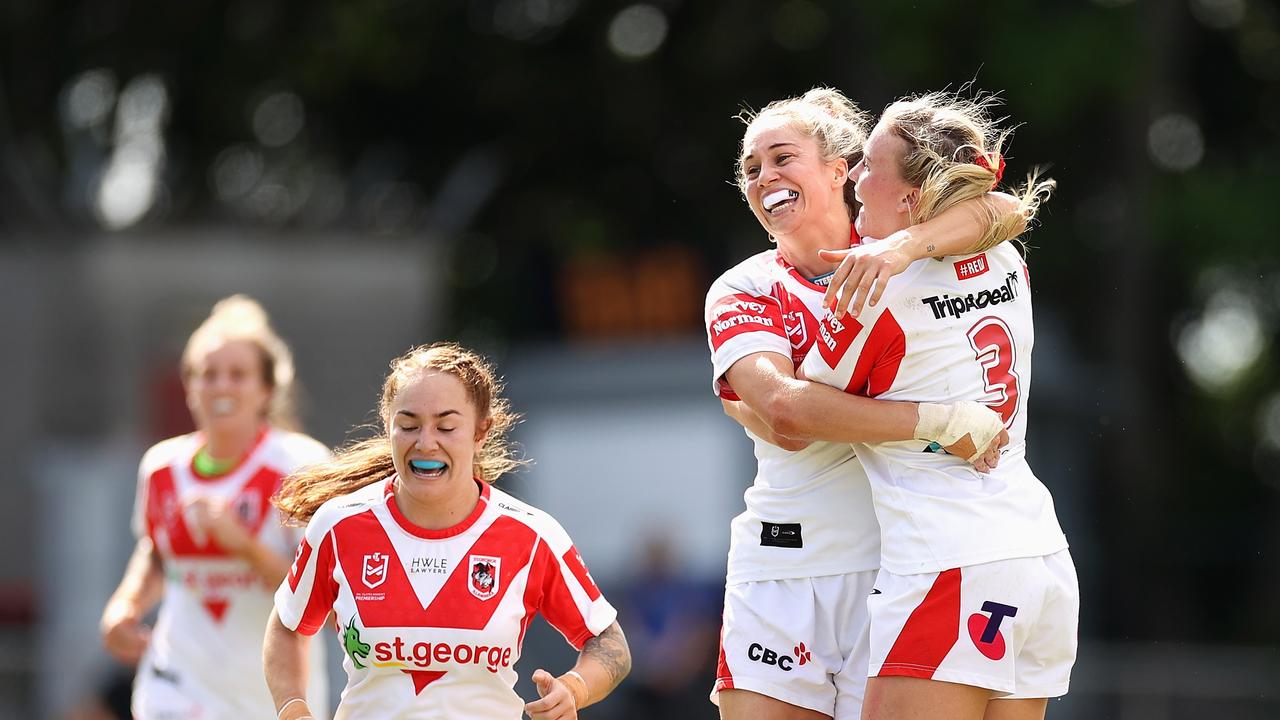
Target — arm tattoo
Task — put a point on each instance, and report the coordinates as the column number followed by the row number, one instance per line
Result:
column 609, row 648
column 929, row 248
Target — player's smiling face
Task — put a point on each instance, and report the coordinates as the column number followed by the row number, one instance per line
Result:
column 785, row 179
column 226, row 389
column 435, row 434
column 885, row 196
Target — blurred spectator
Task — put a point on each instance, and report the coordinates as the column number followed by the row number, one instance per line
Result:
column 672, row 622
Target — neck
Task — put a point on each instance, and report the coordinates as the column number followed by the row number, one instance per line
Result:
column 438, row 513
column 231, row 443
column 801, row 248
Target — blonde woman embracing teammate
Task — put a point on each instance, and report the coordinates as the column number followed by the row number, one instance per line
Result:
column 803, row 556
column 432, row 574
column 975, row 609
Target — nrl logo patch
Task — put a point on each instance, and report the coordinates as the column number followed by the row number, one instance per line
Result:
column 483, row 577
column 374, row 570
column 248, row 508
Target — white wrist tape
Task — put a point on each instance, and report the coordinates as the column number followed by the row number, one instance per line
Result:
column 287, row 711
column 582, row 693
column 946, row 424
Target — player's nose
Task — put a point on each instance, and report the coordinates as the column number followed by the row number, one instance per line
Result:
column 426, row 440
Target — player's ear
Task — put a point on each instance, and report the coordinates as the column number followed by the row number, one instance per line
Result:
column 840, row 167
column 909, row 200
column 482, row 431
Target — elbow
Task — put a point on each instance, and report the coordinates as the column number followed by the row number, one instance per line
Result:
column 790, row 444
column 624, row 660
column 621, row 661
column 784, row 418
column 625, row 669
column 728, row 406
column 610, row 653
column 1004, row 205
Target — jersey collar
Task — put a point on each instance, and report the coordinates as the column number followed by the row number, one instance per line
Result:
column 199, row 443
column 854, row 241
column 443, row 533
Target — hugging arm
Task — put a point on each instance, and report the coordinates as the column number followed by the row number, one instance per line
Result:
column 800, row 411
column 961, row 230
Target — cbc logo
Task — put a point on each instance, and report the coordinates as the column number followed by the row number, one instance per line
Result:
column 761, row 654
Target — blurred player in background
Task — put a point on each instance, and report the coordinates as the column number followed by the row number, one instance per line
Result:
column 977, row 596
column 803, row 556
column 210, row 545
column 433, row 574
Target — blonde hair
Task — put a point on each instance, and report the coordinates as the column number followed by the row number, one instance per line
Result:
column 240, row 317
column 369, row 461
column 946, row 136
column 825, row 114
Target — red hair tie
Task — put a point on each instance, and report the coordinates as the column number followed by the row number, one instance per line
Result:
column 984, row 161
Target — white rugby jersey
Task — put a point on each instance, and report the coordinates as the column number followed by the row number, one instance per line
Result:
column 432, row 621
column 945, row 331
column 207, row 642
column 809, row 512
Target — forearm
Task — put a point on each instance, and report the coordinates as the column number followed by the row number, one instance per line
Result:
column 749, row 419
column 604, row 661
column 959, row 230
column 812, row 411
column 807, row 411
column 284, row 663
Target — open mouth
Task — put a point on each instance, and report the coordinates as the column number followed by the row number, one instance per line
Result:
column 222, row 406
column 778, row 199
column 428, row 468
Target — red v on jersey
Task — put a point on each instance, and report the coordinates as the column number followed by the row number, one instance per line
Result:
column 217, row 608
column 835, row 336
column 164, row 511
column 423, row 678
column 880, row 358
column 454, row 605
column 164, row 515
column 798, row 321
column 446, row 608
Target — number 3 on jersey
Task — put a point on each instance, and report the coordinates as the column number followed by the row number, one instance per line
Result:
column 993, row 347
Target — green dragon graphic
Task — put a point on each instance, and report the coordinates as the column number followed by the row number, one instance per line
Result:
column 351, row 642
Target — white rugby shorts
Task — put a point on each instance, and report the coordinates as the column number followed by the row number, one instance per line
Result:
column 1008, row 625
column 802, row 641
column 160, row 695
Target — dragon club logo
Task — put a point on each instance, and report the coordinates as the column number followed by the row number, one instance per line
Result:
column 356, row 648
column 483, row 575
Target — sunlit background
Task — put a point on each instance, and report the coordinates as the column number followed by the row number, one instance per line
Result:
column 549, row 181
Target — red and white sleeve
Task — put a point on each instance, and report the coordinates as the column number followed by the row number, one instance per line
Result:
column 739, row 324
column 570, row 599
column 307, row 594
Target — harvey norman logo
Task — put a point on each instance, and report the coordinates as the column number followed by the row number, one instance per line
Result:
column 957, row 305
column 740, row 312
